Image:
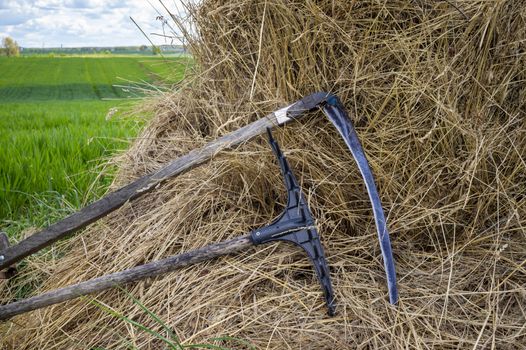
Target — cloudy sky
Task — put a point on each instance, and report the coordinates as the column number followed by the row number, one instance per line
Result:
column 74, row 23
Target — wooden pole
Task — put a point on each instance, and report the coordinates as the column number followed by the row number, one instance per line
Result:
column 134, row 274
column 115, row 200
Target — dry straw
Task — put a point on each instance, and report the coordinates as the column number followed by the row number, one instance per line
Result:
column 437, row 93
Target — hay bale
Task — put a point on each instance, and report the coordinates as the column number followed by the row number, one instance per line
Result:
column 437, row 93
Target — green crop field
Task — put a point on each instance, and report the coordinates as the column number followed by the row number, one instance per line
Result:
column 27, row 79
column 54, row 134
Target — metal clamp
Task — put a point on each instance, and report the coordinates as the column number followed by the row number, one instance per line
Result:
column 297, row 226
column 10, row 271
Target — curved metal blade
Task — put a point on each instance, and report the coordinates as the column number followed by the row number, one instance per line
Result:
column 334, row 110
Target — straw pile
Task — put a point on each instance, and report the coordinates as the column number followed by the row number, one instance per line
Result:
column 437, row 94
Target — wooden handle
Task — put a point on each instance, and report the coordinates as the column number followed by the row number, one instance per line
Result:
column 134, row 274
column 115, row 200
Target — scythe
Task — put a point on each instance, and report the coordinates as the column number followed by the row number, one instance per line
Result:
column 295, row 225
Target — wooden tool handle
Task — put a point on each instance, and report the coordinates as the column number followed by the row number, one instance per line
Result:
column 115, row 200
column 134, row 274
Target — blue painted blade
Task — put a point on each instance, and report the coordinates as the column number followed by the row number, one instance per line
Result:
column 336, row 113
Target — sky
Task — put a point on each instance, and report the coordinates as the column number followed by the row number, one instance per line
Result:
column 77, row 23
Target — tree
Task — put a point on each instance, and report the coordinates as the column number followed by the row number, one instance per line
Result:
column 156, row 50
column 11, row 47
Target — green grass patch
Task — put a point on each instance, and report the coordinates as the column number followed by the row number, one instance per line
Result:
column 54, row 134
column 83, row 78
column 51, row 151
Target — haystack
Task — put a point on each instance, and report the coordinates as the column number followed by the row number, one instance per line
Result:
column 437, row 93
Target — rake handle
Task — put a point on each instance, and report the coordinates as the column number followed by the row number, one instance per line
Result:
column 152, row 269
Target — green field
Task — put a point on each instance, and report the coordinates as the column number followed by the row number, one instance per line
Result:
column 54, row 134
column 26, row 79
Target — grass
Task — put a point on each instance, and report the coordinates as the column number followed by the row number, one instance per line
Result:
column 80, row 78
column 51, row 153
column 55, row 134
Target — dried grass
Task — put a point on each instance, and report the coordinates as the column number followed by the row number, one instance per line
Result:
column 437, row 93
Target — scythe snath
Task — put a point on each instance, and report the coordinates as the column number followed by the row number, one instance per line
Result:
column 295, row 225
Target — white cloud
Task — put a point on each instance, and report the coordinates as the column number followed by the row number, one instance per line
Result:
column 73, row 23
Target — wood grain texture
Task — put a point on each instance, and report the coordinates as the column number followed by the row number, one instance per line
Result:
column 134, row 274
column 4, row 241
column 115, row 200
